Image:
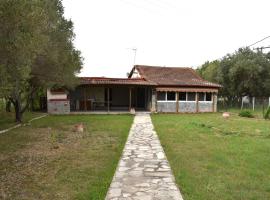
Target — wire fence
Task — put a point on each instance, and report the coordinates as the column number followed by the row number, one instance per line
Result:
column 257, row 105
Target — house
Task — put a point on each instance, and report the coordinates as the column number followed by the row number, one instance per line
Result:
column 147, row 88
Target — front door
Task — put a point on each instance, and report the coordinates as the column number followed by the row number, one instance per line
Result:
column 141, row 98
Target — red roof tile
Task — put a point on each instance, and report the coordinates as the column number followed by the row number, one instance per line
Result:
column 173, row 76
column 116, row 81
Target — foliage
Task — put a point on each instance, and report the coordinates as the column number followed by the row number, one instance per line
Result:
column 209, row 70
column 267, row 114
column 246, row 113
column 243, row 73
column 36, row 49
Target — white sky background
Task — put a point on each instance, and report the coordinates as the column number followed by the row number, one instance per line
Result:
column 179, row 33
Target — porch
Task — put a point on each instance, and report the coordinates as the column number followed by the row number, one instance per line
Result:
column 117, row 98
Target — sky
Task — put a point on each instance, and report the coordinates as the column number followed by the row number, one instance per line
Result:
column 176, row 33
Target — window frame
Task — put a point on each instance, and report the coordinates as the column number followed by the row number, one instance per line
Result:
column 162, row 100
column 171, row 100
column 178, row 93
column 194, row 99
column 204, row 97
column 211, row 97
column 179, row 96
column 166, row 97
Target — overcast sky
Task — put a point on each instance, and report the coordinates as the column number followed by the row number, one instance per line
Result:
column 180, row 33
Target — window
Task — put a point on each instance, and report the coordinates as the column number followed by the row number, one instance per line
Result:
column 170, row 96
column 208, row 96
column 201, row 96
column 182, row 96
column 161, row 96
column 191, row 96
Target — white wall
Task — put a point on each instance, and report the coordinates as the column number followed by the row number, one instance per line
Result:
column 55, row 96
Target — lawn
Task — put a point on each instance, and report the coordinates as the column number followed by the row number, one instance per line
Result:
column 213, row 158
column 7, row 119
column 49, row 160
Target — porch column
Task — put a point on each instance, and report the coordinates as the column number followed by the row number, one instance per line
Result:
column 197, row 102
column 84, row 96
column 213, row 102
column 130, row 97
column 214, row 99
column 108, row 99
column 177, row 101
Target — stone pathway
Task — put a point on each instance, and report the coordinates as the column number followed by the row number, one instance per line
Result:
column 143, row 172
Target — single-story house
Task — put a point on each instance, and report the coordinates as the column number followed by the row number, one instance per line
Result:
column 147, row 88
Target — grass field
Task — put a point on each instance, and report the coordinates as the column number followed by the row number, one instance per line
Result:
column 48, row 160
column 213, row 158
column 7, row 119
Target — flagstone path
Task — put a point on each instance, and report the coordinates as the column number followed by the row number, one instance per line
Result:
column 143, row 172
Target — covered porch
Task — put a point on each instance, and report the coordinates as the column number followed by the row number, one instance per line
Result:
column 110, row 98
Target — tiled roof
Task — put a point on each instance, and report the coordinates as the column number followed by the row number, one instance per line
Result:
column 114, row 81
column 173, row 76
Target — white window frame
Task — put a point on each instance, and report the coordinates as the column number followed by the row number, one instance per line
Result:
column 204, row 98
column 166, row 98
column 211, row 97
column 183, row 100
column 187, row 97
column 171, row 100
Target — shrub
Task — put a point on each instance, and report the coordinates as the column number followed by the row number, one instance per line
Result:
column 246, row 113
column 267, row 114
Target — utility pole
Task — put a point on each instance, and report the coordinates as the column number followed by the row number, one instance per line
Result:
column 260, row 49
column 135, row 53
column 134, row 49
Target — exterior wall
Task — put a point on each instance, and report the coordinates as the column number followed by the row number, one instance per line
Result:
column 56, row 95
column 205, row 106
column 57, row 103
column 187, row 106
column 166, row 106
column 135, row 74
column 58, row 107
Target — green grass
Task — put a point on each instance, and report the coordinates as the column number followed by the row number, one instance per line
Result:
column 7, row 119
column 258, row 112
column 48, row 160
column 213, row 158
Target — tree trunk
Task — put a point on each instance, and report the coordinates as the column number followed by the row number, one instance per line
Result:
column 8, row 106
column 18, row 113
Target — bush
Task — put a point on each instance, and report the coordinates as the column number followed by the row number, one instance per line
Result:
column 246, row 113
column 267, row 114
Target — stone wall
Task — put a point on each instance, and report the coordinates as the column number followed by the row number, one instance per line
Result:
column 206, row 106
column 166, row 106
column 58, row 107
column 188, row 106
column 184, row 107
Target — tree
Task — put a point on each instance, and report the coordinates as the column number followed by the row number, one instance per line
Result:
column 242, row 73
column 245, row 73
column 209, row 70
column 36, row 49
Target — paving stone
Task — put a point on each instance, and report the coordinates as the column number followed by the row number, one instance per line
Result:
column 143, row 173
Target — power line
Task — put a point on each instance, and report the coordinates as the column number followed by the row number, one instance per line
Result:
column 259, row 41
